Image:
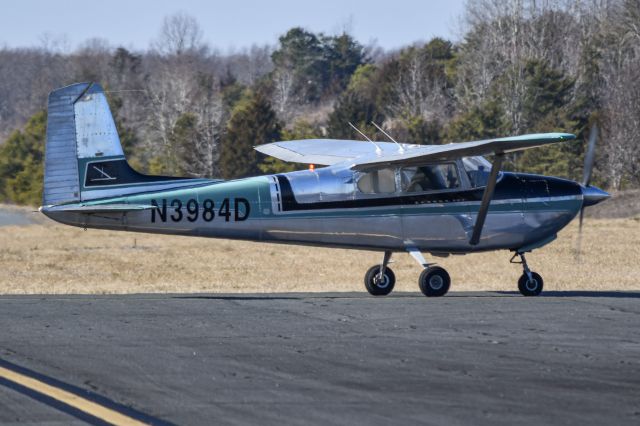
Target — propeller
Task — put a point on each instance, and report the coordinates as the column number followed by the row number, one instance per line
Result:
column 589, row 159
column 590, row 156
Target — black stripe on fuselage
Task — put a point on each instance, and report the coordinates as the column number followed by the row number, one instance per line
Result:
column 118, row 172
column 510, row 187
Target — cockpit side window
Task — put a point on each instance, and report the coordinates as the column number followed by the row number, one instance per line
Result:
column 478, row 169
column 430, row 177
column 382, row 181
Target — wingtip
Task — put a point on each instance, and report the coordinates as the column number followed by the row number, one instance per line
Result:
column 567, row 136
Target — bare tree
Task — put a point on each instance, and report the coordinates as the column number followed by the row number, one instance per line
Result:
column 249, row 65
column 283, row 80
column 202, row 157
column 620, row 93
column 180, row 33
column 419, row 93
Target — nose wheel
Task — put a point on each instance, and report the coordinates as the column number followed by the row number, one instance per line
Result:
column 530, row 283
column 380, row 279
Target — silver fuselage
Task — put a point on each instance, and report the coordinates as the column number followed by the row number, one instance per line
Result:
column 324, row 207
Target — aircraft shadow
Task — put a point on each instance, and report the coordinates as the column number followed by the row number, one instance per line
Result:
column 239, row 297
column 585, row 293
column 287, row 296
column 349, row 295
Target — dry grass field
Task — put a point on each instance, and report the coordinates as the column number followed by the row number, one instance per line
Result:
column 53, row 259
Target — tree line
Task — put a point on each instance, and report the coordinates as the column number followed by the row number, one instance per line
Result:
column 183, row 108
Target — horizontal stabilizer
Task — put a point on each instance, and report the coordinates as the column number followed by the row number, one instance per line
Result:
column 90, row 209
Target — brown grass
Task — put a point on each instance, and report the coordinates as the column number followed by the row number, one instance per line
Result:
column 45, row 258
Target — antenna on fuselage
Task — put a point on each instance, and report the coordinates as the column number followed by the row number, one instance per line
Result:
column 400, row 148
column 378, row 150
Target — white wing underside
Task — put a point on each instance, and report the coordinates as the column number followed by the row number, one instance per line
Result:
column 364, row 154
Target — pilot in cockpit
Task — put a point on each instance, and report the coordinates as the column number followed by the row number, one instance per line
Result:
column 431, row 178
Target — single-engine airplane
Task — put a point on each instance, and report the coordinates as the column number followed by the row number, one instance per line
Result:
column 383, row 196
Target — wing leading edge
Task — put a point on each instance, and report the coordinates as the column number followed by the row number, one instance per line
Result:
column 363, row 154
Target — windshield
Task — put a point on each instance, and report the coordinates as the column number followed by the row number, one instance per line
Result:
column 478, row 169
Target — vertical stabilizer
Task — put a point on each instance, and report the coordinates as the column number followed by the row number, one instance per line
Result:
column 80, row 127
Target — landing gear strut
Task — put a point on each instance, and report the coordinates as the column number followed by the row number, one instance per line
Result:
column 380, row 279
column 530, row 283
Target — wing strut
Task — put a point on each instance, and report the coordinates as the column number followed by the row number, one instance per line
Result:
column 486, row 199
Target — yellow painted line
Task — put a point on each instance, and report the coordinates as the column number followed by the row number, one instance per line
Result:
column 75, row 401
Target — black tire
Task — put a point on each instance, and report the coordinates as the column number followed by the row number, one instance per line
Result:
column 434, row 281
column 530, row 288
column 374, row 287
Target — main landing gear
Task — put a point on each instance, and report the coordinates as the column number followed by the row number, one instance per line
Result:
column 530, row 283
column 434, row 281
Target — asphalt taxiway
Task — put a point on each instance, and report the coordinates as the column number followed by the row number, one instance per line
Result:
column 467, row 358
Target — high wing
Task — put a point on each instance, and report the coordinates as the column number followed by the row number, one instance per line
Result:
column 365, row 154
column 325, row 152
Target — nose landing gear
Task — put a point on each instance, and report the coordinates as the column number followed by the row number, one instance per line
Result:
column 530, row 283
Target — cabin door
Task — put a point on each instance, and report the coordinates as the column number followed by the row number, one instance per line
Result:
column 435, row 214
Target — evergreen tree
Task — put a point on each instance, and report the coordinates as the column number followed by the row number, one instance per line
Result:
column 357, row 105
column 547, row 108
column 319, row 65
column 302, row 52
column 22, row 162
column 253, row 122
column 182, row 139
column 343, row 55
column 480, row 122
column 548, row 92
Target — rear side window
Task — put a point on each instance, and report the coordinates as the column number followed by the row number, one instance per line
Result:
column 430, row 177
column 381, row 181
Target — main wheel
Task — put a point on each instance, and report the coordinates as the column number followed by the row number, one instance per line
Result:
column 376, row 286
column 530, row 287
column 434, row 281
